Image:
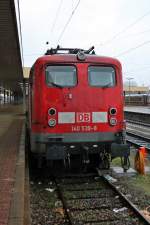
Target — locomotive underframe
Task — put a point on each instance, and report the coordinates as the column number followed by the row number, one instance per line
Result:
column 101, row 146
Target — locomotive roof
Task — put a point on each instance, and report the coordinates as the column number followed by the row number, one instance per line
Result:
column 75, row 55
column 72, row 58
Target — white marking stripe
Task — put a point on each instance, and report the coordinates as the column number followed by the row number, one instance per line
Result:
column 99, row 117
column 66, row 117
column 69, row 117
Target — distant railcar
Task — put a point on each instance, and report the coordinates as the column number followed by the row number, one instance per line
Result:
column 137, row 99
column 76, row 108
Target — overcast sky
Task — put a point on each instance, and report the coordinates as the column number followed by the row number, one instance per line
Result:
column 117, row 28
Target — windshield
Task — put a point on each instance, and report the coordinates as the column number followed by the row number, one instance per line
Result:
column 100, row 76
column 61, row 76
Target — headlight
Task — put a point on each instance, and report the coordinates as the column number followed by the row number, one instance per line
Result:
column 52, row 111
column 113, row 111
column 113, row 121
column 51, row 122
column 81, row 56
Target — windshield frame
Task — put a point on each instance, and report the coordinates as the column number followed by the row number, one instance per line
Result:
column 55, row 85
column 106, row 85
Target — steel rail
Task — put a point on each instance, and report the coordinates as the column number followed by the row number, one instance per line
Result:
column 139, row 141
column 69, row 217
column 141, row 137
column 138, row 122
column 129, row 203
column 134, row 144
column 123, row 199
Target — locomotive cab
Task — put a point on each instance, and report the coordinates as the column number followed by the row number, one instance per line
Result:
column 76, row 108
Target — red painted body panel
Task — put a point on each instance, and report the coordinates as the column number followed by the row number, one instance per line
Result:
column 85, row 99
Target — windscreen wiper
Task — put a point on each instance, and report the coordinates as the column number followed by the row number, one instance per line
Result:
column 56, row 85
column 107, row 85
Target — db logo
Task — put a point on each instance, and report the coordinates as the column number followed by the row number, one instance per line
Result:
column 83, row 117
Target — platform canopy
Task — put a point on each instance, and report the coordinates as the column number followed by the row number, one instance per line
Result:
column 11, row 74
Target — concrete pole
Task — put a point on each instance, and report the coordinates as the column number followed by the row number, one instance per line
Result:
column 129, row 79
column 4, row 92
column 10, row 96
column 7, row 96
column 0, row 94
column 24, row 96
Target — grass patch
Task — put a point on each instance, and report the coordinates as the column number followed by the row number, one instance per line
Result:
column 116, row 162
column 141, row 183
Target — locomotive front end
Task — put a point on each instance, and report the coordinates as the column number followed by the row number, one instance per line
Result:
column 77, row 110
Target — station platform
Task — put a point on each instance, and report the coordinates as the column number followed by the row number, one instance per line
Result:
column 11, row 125
column 138, row 109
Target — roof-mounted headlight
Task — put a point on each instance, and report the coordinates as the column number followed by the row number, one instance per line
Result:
column 81, row 55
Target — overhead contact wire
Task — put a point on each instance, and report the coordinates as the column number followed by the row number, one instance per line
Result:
column 68, row 21
column 132, row 49
column 137, row 70
column 56, row 17
column 126, row 28
column 132, row 35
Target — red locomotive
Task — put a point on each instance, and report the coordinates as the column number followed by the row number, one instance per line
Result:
column 76, row 108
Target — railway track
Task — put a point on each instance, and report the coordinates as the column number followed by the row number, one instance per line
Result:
column 138, row 134
column 138, row 123
column 91, row 200
column 141, row 117
column 84, row 199
column 137, row 140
